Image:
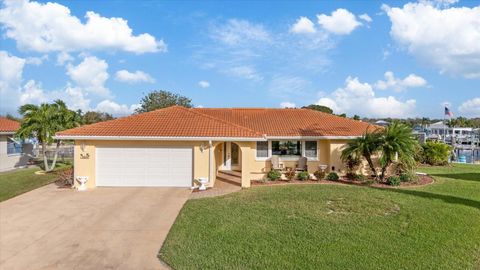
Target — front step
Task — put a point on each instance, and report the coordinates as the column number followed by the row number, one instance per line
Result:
column 232, row 173
column 230, row 177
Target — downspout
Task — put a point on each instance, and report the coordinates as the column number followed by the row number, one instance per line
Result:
column 210, row 150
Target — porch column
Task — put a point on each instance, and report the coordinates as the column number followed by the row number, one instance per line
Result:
column 212, row 174
column 247, row 156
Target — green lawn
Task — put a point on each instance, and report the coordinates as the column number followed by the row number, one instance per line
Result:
column 334, row 227
column 14, row 183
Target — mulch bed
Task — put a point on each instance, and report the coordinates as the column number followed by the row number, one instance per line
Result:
column 64, row 178
column 422, row 181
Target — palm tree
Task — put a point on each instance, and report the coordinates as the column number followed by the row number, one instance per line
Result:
column 43, row 121
column 396, row 143
column 364, row 146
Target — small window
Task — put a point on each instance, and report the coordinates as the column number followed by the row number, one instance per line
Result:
column 287, row 148
column 311, row 149
column 14, row 147
column 262, row 149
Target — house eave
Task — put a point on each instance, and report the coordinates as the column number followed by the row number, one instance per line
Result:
column 160, row 138
column 157, row 138
column 311, row 137
column 7, row 132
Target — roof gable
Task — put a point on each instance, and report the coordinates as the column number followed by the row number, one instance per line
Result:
column 7, row 125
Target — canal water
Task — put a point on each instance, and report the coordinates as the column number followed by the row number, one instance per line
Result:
column 469, row 155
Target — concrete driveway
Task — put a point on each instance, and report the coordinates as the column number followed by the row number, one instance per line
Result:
column 104, row 228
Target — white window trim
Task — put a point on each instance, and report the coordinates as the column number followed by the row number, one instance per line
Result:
column 288, row 158
column 269, row 152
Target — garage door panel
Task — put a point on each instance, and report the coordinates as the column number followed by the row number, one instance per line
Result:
column 146, row 166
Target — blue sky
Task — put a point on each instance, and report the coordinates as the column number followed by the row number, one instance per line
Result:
column 371, row 58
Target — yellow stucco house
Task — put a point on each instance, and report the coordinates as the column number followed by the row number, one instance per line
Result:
column 176, row 145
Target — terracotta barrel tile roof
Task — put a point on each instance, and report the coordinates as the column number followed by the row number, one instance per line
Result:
column 174, row 121
column 178, row 121
column 7, row 125
column 290, row 122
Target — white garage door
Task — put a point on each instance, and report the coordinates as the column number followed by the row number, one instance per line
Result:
column 144, row 166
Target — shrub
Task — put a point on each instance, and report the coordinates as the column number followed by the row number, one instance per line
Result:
column 436, row 153
column 319, row 174
column 355, row 176
column 369, row 182
column 65, row 177
column 303, row 176
column 290, row 175
column 408, row 177
column 351, row 162
column 393, row 181
column 274, row 175
column 333, row 176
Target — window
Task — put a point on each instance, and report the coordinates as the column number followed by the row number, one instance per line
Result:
column 311, row 149
column 14, row 147
column 287, row 148
column 262, row 149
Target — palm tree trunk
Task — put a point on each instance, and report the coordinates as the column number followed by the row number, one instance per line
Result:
column 384, row 169
column 44, row 152
column 55, row 156
column 372, row 167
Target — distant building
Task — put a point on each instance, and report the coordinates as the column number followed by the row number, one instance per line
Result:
column 382, row 123
column 441, row 131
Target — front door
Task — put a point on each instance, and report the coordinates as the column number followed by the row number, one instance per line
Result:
column 235, row 156
column 231, row 156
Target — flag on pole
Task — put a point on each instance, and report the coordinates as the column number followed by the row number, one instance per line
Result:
column 448, row 112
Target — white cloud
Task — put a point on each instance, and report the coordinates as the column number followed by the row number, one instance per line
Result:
column 32, row 92
column 36, row 61
column 11, row 69
column 470, row 107
column 14, row 94
column 91, row 74
column 203, row 84
column 287, row 104
column 240, row 48
column 390, row 82
column 359, row 98
column 51, row 27
column 63, row 58
column 325, row 101
column 446, row 38
column 246, row 72
column 235, row 32
column 365, row 17
column 74, row 97
column 133, row 77
column 115, row 108
column 340, row 22
column 303, row 26
column 440, row 3
column 285, row 86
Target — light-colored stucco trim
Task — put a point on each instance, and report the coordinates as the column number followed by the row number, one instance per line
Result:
column 311, row 137
column 155, row 138
column 7, row 132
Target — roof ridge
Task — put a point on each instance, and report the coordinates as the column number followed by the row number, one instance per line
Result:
column 221, row 120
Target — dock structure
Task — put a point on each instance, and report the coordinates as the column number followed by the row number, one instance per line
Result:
column 465, row 141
